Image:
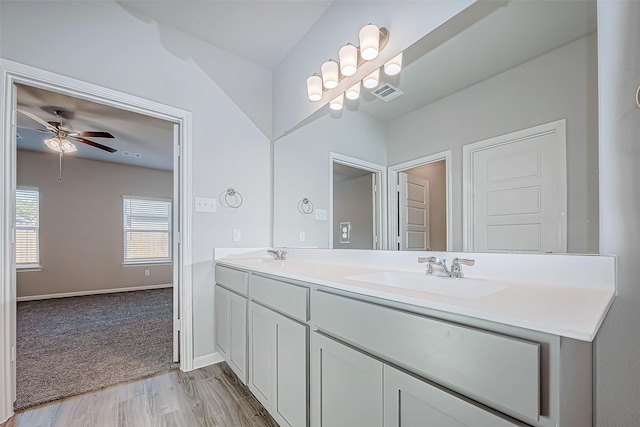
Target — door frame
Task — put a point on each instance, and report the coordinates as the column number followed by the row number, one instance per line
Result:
column 16, row 73
column 557, row 127
column 392, row 198
column 380, row 200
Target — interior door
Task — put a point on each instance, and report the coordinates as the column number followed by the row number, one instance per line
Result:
column 413, row 213
column 517, row 191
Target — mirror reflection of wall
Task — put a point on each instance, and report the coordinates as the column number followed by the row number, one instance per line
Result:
column 526, row 64
column 353, row 207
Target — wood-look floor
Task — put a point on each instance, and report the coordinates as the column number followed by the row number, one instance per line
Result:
column 210, row 396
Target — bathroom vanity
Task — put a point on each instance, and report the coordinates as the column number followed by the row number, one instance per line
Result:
column 333, row 338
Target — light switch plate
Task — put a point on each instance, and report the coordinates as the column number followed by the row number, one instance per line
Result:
column 321, row 214
column 237, row 235
column 203, row 204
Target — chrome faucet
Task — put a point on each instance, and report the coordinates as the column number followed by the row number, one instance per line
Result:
column 278, row 254
column 456, row 269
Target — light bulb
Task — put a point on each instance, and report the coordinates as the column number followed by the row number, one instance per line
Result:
column 314, row 88
column 336, row 103
column 353, row 92
column 394, row 65
column 372, row 79
column 369, row 42
column 330, row 74
column 348, row 59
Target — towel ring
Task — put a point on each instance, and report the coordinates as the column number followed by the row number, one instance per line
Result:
column 305, row 206
column 231, row 198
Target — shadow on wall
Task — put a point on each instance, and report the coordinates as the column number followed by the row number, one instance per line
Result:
column 247, row 84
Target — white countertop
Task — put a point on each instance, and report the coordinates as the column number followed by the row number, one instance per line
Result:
column 572, row 311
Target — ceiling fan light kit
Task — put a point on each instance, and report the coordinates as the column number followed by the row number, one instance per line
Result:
column 60, row 145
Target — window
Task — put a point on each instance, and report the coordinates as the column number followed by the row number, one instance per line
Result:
column 27, row 228
column 147, row 230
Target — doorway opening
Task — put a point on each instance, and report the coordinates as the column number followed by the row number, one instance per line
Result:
column 419, row 208
column 15, row 74
column 355, row 213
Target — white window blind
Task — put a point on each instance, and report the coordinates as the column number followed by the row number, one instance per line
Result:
column 27, row 228
column 147, row 230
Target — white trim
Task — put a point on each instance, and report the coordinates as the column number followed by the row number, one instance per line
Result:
column 558, row 127
column 381, row 195
column 12, row 73
column 93, row 292
column 393, row 199
column 206, row 360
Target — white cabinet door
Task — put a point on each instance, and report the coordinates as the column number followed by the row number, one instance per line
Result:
column 222, row 338
column 410, row 402
column 278, row 365
column 238, row 335
column 347, row 386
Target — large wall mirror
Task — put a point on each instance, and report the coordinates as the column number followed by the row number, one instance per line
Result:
column 492, row 145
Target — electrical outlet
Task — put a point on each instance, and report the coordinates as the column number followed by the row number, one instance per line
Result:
column 147, row 272
column 302, row 236
column 203, row 204
column 237, row 235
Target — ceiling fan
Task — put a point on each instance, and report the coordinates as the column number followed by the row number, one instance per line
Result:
column 59, row 141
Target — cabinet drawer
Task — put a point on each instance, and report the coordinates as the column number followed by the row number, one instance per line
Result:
column 232, row 279
column 287, row 298
column 497, row 370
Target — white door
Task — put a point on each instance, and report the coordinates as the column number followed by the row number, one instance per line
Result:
column 515, row 197
column 413, row 213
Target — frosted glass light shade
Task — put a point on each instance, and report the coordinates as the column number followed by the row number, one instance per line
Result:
column 348, row 59
column 353, row 92
column 394, row 65
column 337, row 102
column 314, row 88
column 58, row 144
column 53, row 143
column 330, row 74
column 372, row 79
column 68, row 147
column 369, row 42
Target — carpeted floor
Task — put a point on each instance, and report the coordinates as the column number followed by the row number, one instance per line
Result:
column 68, row 346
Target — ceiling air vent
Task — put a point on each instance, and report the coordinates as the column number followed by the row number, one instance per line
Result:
column 387, row 92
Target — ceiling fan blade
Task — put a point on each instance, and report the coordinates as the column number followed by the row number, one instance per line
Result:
column 94, row 134
column 95, row 144
column 37, row 119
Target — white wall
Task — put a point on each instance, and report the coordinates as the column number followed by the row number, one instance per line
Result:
column 407, row 21
column 301, row 169
column 617, row 345
column 560, row 84
column 103, row 44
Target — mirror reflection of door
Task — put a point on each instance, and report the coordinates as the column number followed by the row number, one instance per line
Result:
column 422, row 208
column 353, row 207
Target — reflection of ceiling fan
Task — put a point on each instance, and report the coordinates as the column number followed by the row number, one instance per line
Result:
column 59, row 141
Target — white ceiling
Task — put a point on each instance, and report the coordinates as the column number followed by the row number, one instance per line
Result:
column 262, row 31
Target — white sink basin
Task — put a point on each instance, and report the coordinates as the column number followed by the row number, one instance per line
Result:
column 459, row 288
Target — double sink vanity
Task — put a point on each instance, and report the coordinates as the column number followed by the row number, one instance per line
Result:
column 366, row 338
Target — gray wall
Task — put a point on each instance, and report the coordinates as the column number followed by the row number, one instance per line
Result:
column 617, row 345
column 353, row 202
column 81, row 238
column 560, row 84
column 436, row 173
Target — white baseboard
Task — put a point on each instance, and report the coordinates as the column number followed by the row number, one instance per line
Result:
column 206, row 360
column 93, row 292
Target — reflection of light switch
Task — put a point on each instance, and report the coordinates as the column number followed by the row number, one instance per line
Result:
column 237, row 235
column 345, row 232
column 321, row 214
column 302, row 236
column 205, row 205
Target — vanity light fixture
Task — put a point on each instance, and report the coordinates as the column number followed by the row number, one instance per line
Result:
column 330, row 74
column 394, row 65
column 348, row 59
column 372, row 40
column 372, row 79
column 337, row 102
column 314, row 87
column 60, row 145
column 353, row 92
